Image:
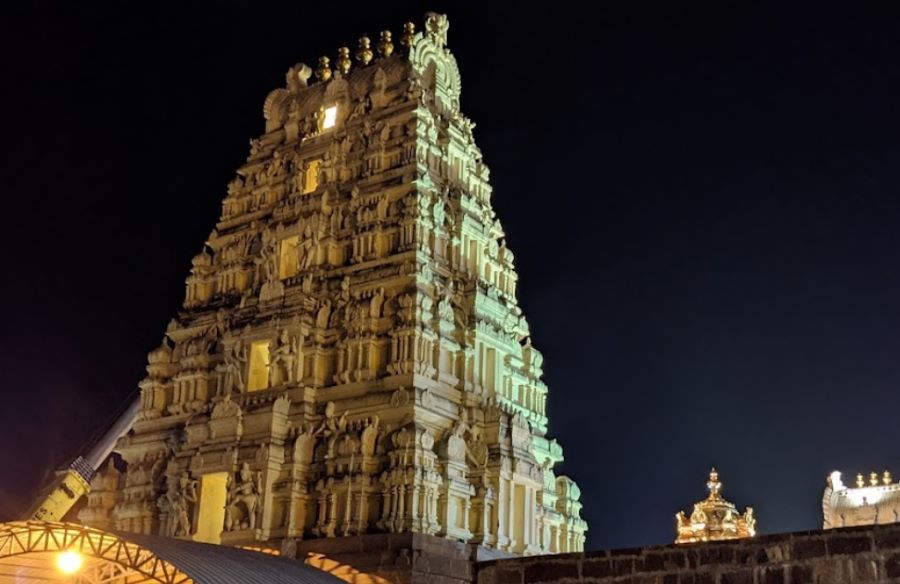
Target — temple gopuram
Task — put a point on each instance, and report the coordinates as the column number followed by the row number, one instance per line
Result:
column 350, row 359
column 714, row 518
column 868, row 502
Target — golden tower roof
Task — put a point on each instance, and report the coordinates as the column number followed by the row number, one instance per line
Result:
column 714, row 518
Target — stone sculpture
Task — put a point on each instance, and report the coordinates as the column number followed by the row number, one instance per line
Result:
column 350, row 338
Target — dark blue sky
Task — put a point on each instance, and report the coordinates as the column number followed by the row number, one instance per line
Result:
column 703, row 202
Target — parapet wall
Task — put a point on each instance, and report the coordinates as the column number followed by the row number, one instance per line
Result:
column 839, row 556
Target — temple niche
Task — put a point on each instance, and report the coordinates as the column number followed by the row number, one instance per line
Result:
column 351, row 358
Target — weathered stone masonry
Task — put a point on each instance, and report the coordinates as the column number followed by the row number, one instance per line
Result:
column 839, row 556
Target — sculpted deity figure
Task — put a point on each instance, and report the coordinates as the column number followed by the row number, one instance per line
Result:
column 445, row 308
column 477, row 451
column 235, row 187
column 297, row 180
column 234, row 363
column 331, row 427
column 698, row 516
column 377, row 303
column 306, row 246
column 284, row 359
column 323, row 315
column 180, row 498
column 342, row 301
column 750, row 520
column 369, row 437
column 244, row 495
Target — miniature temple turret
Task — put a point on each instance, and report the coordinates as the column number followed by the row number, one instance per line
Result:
column 873, row 499
column 714, row 518
column 351, row 357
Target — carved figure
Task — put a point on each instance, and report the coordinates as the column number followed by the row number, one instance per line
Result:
column 244, row 495
column 369, row 436
column 376, row 304
column 180, row 500
column 306, row 245
column 323, row 314
column 284, row 359
column 235, row 361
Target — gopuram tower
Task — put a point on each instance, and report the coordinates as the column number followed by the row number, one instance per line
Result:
column 350, row 360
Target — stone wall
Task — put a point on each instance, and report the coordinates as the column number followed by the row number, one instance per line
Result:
column 839, row 556
column 395, row 558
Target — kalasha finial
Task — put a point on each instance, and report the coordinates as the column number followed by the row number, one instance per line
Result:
column 323, row 72
column 343, row 61
column 714, row 485
column 364, row 53
column 887, row 478
column 409, row 31
column 873, row 478
column 860, row 481
column 385, row 45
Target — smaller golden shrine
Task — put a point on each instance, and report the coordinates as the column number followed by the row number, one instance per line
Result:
column 714, row 518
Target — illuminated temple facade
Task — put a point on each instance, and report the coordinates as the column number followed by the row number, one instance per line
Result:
column 871, row 500
column 350, row 357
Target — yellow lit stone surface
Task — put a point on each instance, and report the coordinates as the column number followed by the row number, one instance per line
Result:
column 258, row 376
column 311, row 176
column 714, row 518
column 211, row 513
column 287, row 257
column 351, row 354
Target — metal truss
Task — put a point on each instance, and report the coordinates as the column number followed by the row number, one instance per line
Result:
column 27, row 555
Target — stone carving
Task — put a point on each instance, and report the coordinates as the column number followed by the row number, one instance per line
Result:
column 283, row 362
column 243, row 499
column 232, row 371
column 181, row 496
column 359, row 267
column 714, row 518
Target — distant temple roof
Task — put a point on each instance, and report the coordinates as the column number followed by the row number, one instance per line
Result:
column 714, row 518
column 24, row 547
column 870, row 501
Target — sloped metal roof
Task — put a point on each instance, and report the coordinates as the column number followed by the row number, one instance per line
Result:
column 29, row 551
column 218, row 564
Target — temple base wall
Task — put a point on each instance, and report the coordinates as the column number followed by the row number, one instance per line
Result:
column 401, row 558
column 839, row 556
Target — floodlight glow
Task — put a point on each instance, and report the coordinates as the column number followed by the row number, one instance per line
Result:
column 69, row 562
column 330, row 117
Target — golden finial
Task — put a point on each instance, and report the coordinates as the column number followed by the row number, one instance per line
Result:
column 364, row 54
column 343, row 60
column 714, row 485
column 385, row 45
column 860, row 481
column 323, row 72
column 887, row 478
column 873, row 478
column 409, row 31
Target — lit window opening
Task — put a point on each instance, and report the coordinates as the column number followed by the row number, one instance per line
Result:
column 330, row 118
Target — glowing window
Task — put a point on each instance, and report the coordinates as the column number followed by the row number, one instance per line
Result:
column 259, row 366
column 330, row 118
column 311, row 178
column 211, row 518
column 287, row 257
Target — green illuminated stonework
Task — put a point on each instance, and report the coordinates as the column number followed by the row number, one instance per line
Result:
column 350, row 358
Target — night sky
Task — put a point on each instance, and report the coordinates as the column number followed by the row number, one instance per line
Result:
column 703, row 202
